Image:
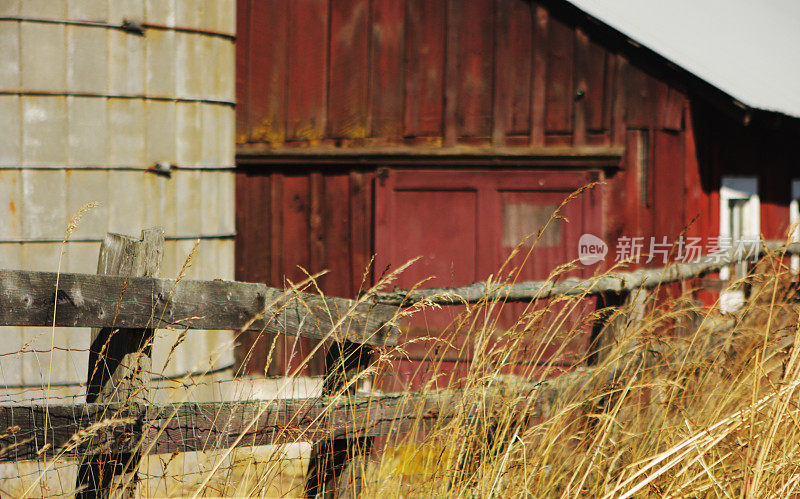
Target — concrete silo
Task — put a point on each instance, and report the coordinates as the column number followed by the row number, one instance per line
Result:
column 93, row 95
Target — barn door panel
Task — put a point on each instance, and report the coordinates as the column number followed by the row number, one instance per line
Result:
column 464, row 225
column 537, row 238
column 434, row 216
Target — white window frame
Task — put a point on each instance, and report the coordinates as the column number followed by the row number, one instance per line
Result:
column 744, row 188
column 794, row 222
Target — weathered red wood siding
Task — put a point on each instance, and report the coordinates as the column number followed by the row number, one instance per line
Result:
column 502, row 72
column 360, row 74
column 364, row 73
column 317, row 220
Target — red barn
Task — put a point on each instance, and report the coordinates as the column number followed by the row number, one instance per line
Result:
column 451, row 129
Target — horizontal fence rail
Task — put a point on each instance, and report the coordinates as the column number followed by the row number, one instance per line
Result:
column 614, row 282
column 74, row 430
column 29, row 298
column 335, row 422
column 186, row 427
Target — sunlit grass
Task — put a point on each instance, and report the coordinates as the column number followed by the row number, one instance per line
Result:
column 679, row 400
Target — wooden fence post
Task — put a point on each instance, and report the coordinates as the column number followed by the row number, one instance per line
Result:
column 607, row 328
column 120, row 364
column 336, row 465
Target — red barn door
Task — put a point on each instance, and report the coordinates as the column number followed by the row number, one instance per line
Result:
column 464, row 225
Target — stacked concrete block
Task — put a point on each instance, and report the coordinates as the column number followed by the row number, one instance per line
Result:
column 86, row 113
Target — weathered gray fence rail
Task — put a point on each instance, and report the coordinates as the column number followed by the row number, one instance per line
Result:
column 185, row 427
column 205, row 426
column 129, row 302
column 615, row 282
column 124, row 308
column 28, row 298
column 189, row 427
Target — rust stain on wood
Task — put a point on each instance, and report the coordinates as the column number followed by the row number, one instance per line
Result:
column 434, row 72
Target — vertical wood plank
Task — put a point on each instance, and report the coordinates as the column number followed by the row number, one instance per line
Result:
column 383, row 236
column 308, row 63
column 243, row 230
column 636, row 212
column 590, row 82
column 697, row 201
column 619, row 124
column 387, row 69
column 609, row 95
column 317, row 256
column 559, row 91
column 336, row 219
column 642, row 146
column 500, row 95
column 475, row 62
column 621, row 194
column 671, row 115
column 581, row 86
column 264, row 219
column 668, row 173
column 295, row 214
column 316, row 225
column 276, row 365
column 349, row 58
column 424, row 49
column 489, row 232
column 266, row 67
column 539, row 79
column 361, row 230
column 242, row 66
column 595, row 91
column 253, row 220
column 275, row 189
column 451, row 73
column 120, row 363
column 513, row 63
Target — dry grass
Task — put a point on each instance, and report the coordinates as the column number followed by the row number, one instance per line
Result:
column 684, row 401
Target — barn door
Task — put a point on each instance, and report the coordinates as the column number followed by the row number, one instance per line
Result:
column 464, row 225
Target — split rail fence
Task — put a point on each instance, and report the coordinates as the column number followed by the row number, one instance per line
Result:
column 125, row 302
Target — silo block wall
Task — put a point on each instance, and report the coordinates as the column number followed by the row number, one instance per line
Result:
column 93, row 96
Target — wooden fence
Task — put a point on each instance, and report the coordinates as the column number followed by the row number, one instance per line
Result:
column 126, row 302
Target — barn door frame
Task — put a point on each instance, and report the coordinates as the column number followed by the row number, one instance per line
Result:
column 486, row 183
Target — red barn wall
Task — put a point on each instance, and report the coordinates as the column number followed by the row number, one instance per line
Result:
column 490, row 74
column 363, row 73
column 725, row 147
column 317, row 220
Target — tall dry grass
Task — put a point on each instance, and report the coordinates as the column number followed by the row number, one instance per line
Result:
column 680, row 401
column 685, row 401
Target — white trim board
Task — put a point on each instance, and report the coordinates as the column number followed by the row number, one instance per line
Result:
column 794, row 222
column 744, row 189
